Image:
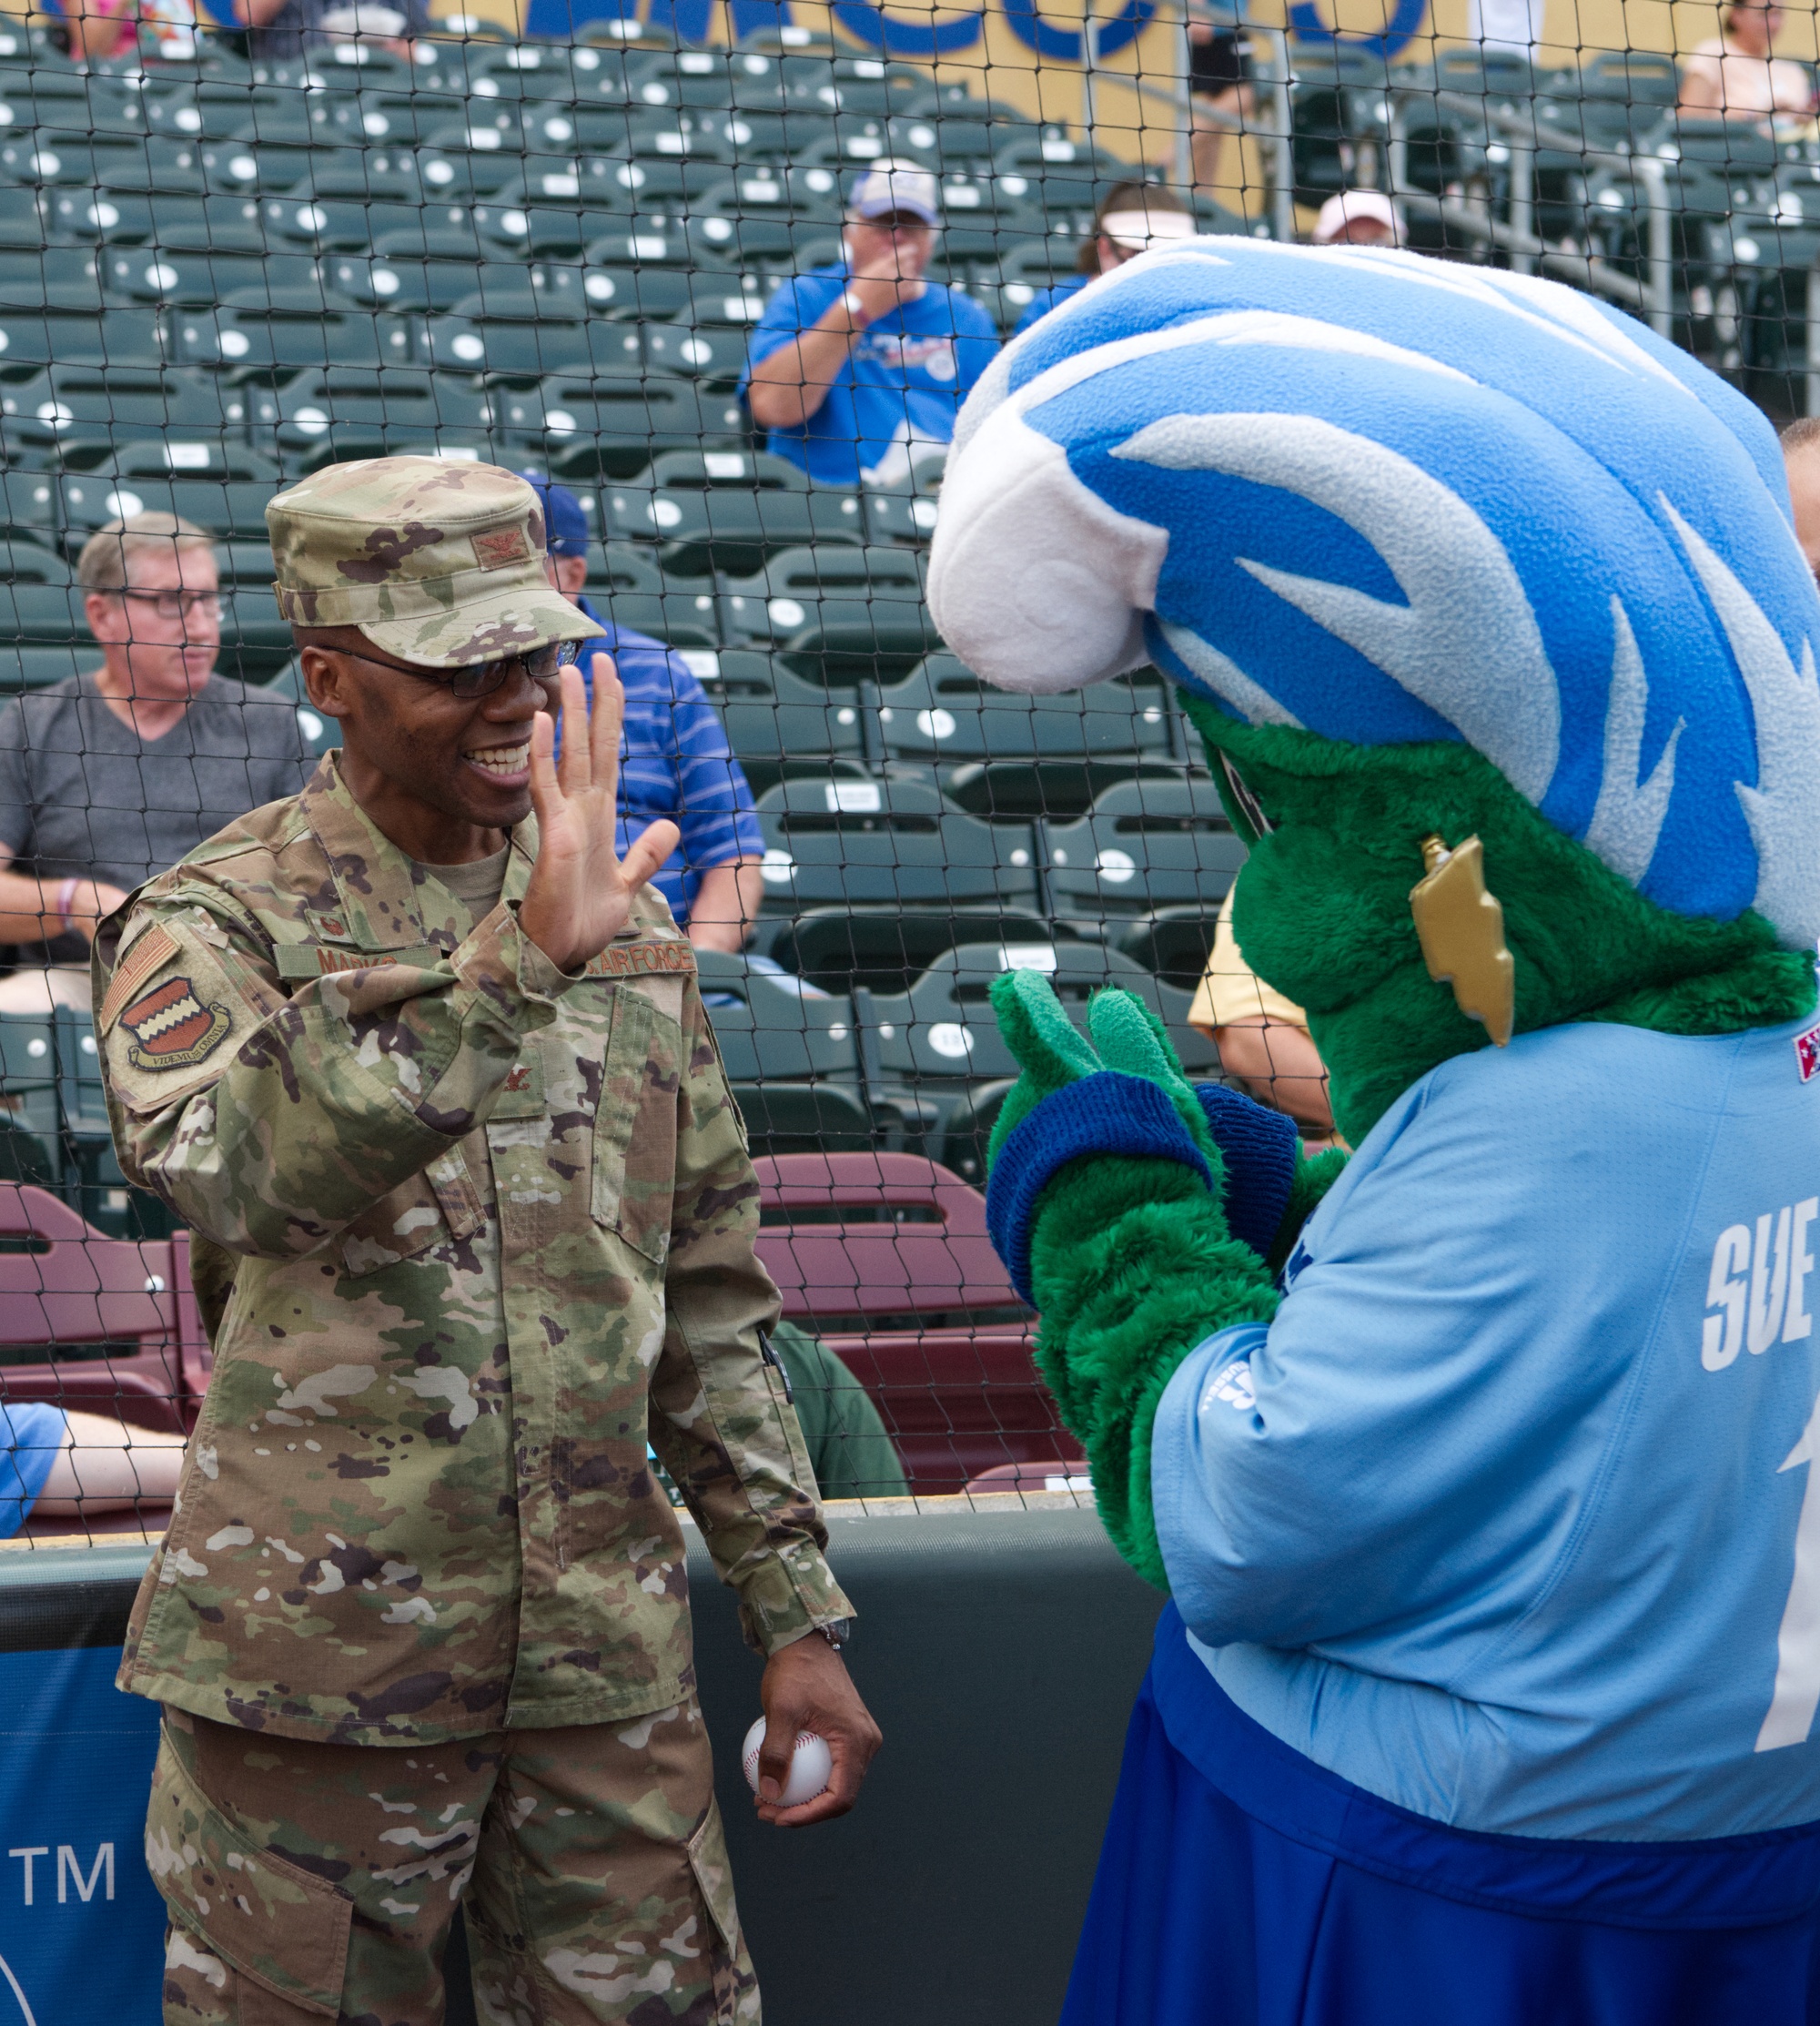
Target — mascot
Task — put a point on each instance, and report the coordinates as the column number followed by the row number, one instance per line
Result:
column 1481, row 1465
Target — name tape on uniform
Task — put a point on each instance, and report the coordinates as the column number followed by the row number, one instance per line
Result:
column 320, row 959
column 643, row 959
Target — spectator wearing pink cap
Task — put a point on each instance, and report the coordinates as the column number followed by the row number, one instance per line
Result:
column 854, row 366
column 1358, row 218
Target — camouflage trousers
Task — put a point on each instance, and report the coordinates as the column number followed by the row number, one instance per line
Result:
column 309, row 1882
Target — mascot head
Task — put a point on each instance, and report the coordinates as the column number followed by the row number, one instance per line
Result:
column 1430, row 550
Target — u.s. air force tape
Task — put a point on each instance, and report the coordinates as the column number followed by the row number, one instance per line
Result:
column 640, row 960
column 643, row 959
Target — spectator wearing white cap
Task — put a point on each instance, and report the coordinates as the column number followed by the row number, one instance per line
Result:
column 1132, row 217
column 1358, row 218
column 854, row 366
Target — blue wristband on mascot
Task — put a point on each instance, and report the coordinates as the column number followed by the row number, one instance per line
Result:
column 1108, row 1113
column 1111, row 1113
column 1259, row 1147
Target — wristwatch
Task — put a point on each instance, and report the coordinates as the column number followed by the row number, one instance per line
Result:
column 837, row 1633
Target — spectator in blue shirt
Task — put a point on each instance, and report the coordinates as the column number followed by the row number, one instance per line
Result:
column 674, row 759
column 854, row 366
column 1133, row 218
column 58, row 1465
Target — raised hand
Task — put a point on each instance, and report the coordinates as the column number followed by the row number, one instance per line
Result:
column 580, row 892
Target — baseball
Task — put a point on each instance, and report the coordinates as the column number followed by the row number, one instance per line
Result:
column 811, row 1765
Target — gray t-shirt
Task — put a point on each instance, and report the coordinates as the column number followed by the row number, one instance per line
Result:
column 83, row 795
column 478, row 884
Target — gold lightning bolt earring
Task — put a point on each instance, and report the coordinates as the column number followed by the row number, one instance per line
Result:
column 1460, row 926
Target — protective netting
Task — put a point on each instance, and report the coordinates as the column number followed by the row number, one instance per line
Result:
column 231, row 254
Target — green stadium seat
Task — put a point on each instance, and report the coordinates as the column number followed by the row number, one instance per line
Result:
column 24, row 666
column 1175, row 943
column 680, row 617
column 612, row 429
column 958, row 138
column 171, row 109
column 223, row 488
column 840, row 949
column 48, row 275
column 197, row 280
column 264, row 168
column 781, row 600
column 645, row 294
column 36, row 612
column 803, row 1118
column 257, row 331
column 696, row 352
column 942, row 1030
column 774, row 716
column 28, row 1073
column 1144, row 845
column 837, row 843
column 73, row 414
column 33, row 339
column 556, row 210
column 733, row 527
column 25, row 221
column 942, row 710
column 46, row 154
column 349, row 224
column 472, row 160
column 770, row 1032
column 895, row 519
column 732, row 240
column 764, row 192
column 404, row 283
column 349, row 411
column 173, row 221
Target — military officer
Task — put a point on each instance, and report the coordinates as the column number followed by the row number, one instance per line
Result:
column 473, row 1218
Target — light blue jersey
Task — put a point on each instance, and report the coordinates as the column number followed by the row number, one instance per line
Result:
column 1513, row 1515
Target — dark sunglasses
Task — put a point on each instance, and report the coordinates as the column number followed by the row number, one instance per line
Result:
column 477, row 679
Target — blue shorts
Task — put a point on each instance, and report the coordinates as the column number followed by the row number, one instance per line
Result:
column 1242, row 1885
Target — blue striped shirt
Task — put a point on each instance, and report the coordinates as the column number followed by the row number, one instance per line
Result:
column 675, row 762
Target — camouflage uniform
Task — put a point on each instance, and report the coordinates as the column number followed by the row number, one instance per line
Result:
column 467, row 1231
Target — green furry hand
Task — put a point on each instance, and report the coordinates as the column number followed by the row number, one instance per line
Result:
column 1128, row 1037
column 1106, row 1201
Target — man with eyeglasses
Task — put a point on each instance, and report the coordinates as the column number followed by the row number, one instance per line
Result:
column 108, row 777
column 473, row 1222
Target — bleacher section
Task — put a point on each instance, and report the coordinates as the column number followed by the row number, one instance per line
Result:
column 216, row 275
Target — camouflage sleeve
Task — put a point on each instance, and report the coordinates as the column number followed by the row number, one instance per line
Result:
column 721, row 1418
column 268, row 1121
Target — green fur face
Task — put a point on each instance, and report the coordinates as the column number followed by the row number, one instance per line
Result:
column 1322, row 913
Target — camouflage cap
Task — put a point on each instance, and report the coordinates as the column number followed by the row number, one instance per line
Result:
column 436, row 563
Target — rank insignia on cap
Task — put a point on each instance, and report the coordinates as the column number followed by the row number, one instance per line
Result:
column 1807, row 1053
column 171, row 1027
column 501, row 547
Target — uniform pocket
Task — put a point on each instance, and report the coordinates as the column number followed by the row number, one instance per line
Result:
column 634, row 1180
column 437, row 1204
column 714, row 1875
column 271, row 1922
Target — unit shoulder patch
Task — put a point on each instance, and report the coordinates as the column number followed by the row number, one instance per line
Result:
column 172, row 1028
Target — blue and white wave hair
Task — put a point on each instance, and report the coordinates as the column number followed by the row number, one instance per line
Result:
column 1393, row 499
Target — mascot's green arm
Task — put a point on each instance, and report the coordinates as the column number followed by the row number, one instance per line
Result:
column 1110, row 1185
column 1132, row 1266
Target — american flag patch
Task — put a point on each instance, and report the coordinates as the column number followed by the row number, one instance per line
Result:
column 1807, row 1053
column 172, row 1028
